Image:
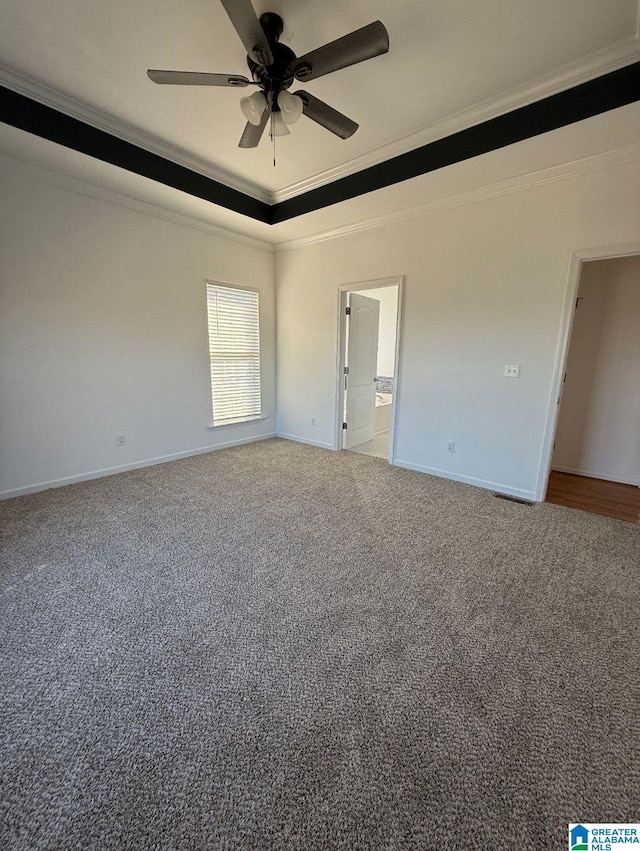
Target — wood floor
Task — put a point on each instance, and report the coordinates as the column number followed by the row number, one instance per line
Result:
column 595, row 495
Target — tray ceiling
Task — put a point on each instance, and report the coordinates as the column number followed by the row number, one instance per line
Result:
column 451, row 64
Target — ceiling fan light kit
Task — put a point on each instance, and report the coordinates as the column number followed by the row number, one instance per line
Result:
column 253, row 106
column 274, row 67
column 290, row 107
column 279, row 128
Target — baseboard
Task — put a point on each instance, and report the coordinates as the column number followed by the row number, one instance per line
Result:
column 124, row 468
column 295, row 437
column 467, row 480
column 590, row 474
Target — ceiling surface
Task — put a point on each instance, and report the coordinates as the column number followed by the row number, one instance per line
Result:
column 451, row 64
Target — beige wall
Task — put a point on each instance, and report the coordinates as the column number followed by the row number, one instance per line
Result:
column 103, row 332
column 103, row 326
column 485, row 286
column 599, row 424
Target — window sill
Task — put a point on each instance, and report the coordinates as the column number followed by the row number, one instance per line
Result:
column 237, row 422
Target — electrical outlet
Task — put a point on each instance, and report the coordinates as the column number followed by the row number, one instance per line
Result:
column 121, row 439
column 313, row 420
column 512, row 370
column 451, row 445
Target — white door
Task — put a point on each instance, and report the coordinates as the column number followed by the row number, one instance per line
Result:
column 362, row 361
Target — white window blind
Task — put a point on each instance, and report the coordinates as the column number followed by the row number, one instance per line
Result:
column 234, row 353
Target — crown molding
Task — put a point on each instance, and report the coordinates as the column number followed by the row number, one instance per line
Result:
column 601, row 62
column 84, row 187
column 102, row 121
column 565, row 171
column 601, row 94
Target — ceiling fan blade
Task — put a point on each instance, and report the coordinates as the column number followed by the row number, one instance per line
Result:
column 365, row 43
column 195, row 78
column 253, row 133
column 320, row 112
column 247, row 25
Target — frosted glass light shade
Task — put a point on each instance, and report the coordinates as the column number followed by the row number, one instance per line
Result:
column 253, row 107
column 279, row 128
column 290, row 107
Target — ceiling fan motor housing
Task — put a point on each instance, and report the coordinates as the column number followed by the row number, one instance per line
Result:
column 272, row 25
column 278, row 76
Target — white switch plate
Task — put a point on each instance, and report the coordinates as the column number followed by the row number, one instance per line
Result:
column 512, row 370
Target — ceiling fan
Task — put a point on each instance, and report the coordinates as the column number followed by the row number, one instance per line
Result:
column 274, row 67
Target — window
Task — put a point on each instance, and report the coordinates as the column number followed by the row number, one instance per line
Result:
column 234, row 354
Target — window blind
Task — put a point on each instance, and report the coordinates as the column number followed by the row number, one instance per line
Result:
column 234, row 353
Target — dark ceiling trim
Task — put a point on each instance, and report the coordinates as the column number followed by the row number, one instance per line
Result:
column 602, row 94
column 41, row 120
column 610, row 91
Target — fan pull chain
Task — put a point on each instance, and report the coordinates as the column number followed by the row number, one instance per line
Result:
column 273, row 135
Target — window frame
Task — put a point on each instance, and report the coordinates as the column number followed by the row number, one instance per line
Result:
column 254, row 417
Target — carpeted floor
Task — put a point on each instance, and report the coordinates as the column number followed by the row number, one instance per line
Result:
column 281, row 647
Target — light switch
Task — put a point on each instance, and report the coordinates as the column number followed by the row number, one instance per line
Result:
column 512, row 370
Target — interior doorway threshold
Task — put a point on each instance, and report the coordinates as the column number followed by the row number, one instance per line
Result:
column 377, row 448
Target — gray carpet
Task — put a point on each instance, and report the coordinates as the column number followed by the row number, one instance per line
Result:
column 280, row 647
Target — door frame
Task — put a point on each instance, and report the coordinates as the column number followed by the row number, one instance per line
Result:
column 576, row 260
column 341, row 351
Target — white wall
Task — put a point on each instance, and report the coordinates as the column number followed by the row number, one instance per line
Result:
column 599, row 424
column 485, row 287
column 103, row 331
column 388, row 298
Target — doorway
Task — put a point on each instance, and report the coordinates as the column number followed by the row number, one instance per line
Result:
column 368, row 367
column 595, row 461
